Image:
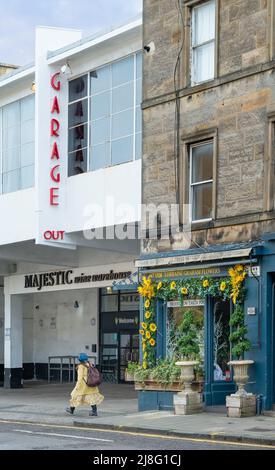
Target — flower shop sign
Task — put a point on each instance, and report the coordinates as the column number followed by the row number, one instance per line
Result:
column 180, row 273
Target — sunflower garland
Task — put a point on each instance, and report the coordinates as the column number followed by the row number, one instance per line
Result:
column 226, row 288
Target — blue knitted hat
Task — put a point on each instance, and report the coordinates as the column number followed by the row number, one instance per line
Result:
column 83, row 357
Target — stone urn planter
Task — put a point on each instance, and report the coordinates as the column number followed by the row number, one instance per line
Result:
column 188, row 401
column 241, row 375
column 241, row 404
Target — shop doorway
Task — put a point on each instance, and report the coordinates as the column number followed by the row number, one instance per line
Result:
column 218, row 375
column 119, row 336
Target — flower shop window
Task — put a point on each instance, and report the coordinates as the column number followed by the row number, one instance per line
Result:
column 201, row 181
column 175, row 316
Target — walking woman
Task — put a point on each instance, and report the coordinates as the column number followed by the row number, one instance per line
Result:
column 82, row 394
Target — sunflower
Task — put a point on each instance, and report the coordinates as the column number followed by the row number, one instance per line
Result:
column 239, row 268
column 184, row 291
column 159, row 286
column 143, row 347
column 152, row 342
column 143, row 340
column 153, row 327
column 144, row 325
column 141, row 332
column 147, row 315
column 205, row 283
column 223, row 286
column 144, row 365
column 145, row 355
column 173, row 285
column 147, row 303
column 148, row 334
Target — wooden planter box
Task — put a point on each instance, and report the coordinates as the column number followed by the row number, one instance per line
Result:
column 156, row 386
column 151, row 385
column 128, row 376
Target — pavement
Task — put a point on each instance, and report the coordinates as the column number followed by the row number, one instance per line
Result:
column 40, row 402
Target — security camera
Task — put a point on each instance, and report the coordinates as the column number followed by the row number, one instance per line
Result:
column 150, row 48
column 66, row 69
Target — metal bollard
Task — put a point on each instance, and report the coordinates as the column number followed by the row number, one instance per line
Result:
column 259, row 404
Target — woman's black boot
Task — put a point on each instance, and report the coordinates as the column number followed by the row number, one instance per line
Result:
column 70, row 410
column 93, row 412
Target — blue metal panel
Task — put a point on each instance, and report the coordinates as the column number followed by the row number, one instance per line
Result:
column 147, row 400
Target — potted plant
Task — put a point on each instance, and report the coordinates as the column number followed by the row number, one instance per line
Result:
column 132, row 367
column 240, row 345
column 188, row 349
column 240, row 404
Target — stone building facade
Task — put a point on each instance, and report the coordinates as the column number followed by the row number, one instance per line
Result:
column 238, row 104
column 209, row 149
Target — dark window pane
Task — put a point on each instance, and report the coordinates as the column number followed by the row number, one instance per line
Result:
column 78, row 138
column 110, row 338
column 125, row 341
column 77, row 162
column 78, row 113
column 202, row 201
column 202, row 163
column 129, row 302
column 109, row 303
column 78, row 88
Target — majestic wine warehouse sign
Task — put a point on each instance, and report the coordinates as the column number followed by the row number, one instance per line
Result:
column 62, row 278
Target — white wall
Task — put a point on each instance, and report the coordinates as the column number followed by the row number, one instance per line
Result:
column 17, row 216
column 61, row 329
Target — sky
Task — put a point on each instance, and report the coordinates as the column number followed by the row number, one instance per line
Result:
column 19, row 18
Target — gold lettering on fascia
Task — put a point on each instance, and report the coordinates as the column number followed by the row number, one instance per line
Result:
column 186, row 273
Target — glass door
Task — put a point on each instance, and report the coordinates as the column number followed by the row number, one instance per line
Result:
column 109, row 357
column 128, row 351
column 219, row 381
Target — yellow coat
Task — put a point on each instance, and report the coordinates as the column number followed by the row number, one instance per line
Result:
column 82, row 394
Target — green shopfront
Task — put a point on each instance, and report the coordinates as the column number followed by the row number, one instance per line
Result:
column 205, row 289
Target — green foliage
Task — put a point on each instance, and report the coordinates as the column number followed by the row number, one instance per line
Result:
column 142, row 374
column 187, row 344
column 195, row 288
column 165, row 372
column 132, row 367
column 240, row 344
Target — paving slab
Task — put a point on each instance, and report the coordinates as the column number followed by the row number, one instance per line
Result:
column 41, row 402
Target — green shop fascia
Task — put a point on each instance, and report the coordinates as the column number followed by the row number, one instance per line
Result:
column 214, row 298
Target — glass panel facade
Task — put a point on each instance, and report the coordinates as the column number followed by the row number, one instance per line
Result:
column 17, row 145
column 107, row 103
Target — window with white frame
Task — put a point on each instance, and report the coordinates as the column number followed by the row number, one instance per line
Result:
column 203, row 33
column 105, row 116
column 201, row 181
column 17, row 145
